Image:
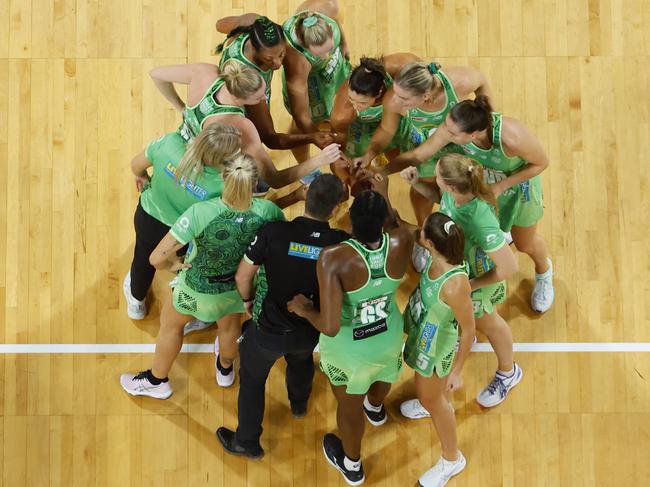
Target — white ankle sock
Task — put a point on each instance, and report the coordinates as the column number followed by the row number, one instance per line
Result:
column 548, row 274
column 351, row 464
column 508, row 374
column 369, row 406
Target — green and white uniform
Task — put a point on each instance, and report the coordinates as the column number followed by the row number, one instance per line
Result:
column 478, row 220
column 195, row 116
column 431, row 326
column 360, row 131
column 424, row 124
column 326, row 75
column 219, row 236
column 523, row 204
column 368, row 347
column 235, row 50
column 166, row 199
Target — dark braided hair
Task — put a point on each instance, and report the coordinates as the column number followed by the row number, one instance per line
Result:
column 370, row 77
column 264, row 33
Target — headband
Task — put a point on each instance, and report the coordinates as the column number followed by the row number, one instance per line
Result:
column 447, row 226
column 310, row 21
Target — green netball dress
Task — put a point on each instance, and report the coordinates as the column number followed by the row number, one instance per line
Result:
column 431, row 326
column 326, row 75
column 522, row 205
column 360, row 131
column 219, row 236
column 424, row 124
column 165, row 198
column 195, row 116
column 478, row 220
column 235, row 50
column 368, row 347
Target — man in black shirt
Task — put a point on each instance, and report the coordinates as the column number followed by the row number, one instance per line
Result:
column 288, row 251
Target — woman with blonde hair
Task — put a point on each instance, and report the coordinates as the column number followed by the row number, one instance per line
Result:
column 219, row 94
column 470, row 203
column 220, row 230
column 181, row 176
column 423, row 94
column 315, row 66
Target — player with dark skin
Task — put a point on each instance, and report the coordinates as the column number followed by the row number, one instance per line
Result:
column 267, row 57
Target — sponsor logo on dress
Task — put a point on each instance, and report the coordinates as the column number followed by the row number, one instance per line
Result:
column 304, row 251
column 190, row 186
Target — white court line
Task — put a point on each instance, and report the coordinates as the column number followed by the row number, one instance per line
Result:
column 79, row 348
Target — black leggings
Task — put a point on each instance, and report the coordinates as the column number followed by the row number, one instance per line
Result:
column 148, row 234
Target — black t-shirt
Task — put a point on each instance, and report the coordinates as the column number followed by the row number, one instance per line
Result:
column 289, row 251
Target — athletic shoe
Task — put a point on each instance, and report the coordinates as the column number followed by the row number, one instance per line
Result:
column 224, row 380
column 135, row 308
column 309, row 178
column 543, row 294
column 261, row 188
column 376, row 418
column 419, row 257
column 497, row 390
column 195, row 325
column 228, row 440
column 333, row 450
column 413, row 409
column 441, row 472
column 299, row 409
column 139, row 385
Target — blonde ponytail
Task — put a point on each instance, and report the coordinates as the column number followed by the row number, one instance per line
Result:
column 312, row 29
column 214, row 144
column 418, row 78
column 466, row 176
column 242, row 81
column 239, row 175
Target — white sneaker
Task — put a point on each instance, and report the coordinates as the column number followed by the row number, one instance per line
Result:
column 543, row 294
column 419, row 257
column 221, row 379
column 441, row 472
column 135, row 308
column 413, row 409
column 497, row 390
column 139, row 385
column 195, row 325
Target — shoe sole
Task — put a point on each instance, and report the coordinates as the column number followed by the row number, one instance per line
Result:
column 516, row 381
column 236, row 453
column 451, row 476
column 134, row 393
column 375, row 423
column 349, row 482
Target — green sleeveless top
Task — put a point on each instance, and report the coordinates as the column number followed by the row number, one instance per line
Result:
column 425, row 122
column 497, row 165
column 194, row 116
column 235, row 50
column 425, row 306
column 371, row 323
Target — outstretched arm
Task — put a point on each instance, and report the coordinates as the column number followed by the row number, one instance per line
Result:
column 226, row 25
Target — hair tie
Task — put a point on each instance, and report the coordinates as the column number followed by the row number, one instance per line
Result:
column 433, row 68
column 447, row 226
column 310, row 21
column 237, row 168
column 470, row 168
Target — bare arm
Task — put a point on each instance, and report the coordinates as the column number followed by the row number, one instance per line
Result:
column 428, row 190
column 384, row 134
column 164, row 255
column 328, row 319
column 456, row 292
column 226, row 25
column 139, row 166
column 467, row 80
column 244, row 279
column 342, row 115
column 164, row 78
column 296, row 71
column 518, row 141
column 505, row 266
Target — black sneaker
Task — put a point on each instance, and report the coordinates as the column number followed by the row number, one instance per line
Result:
column 229, row 442
column 261, row 188
column 333, row 450
column 375, row 418
column 299, row 409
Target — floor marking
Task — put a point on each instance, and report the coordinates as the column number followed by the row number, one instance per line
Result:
column 80, row 348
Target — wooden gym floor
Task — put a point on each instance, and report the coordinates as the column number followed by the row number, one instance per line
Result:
column 76, row 103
